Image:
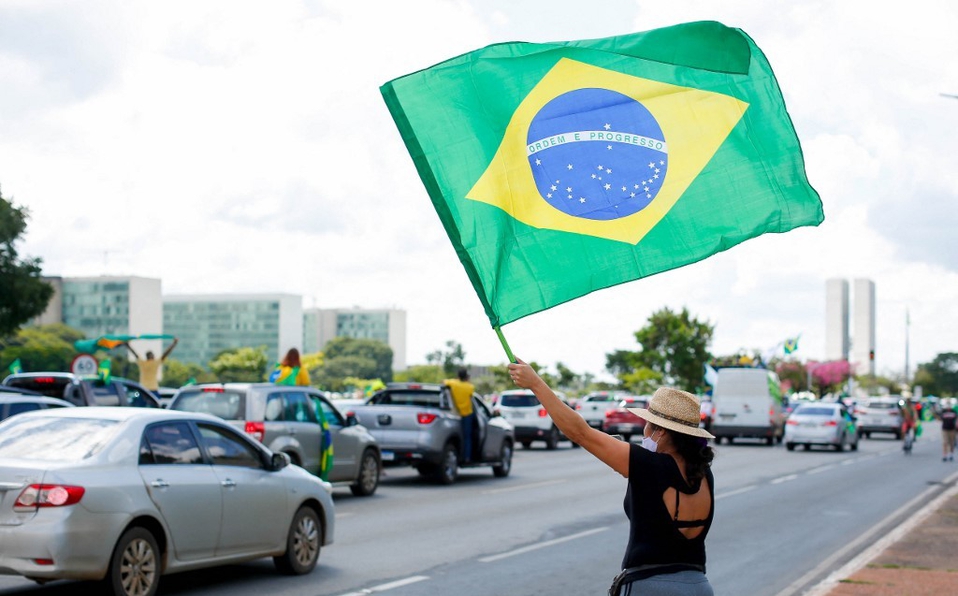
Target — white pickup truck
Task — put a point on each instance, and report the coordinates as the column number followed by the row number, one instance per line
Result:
column 594, row 405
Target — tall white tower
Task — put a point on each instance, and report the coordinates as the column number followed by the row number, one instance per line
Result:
column 863, row 327
column 836, row 319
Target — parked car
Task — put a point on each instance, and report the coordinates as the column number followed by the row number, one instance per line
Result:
column 592, row 407
column 620, row 421
column 17, row 403
column 127, row 495
column 165, row 395
column 529, row 419
column 85, row 391
column 880, row 415
column 284, row 418
column 417, row 425
column 824, row 423
column 748, row 404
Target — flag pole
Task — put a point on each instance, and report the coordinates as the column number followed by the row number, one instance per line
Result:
column 505, row 344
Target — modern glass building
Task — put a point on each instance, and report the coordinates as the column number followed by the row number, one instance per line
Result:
column 385, row 325
column 207, row 325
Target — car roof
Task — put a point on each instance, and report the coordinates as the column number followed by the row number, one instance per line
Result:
column 120, row 413
column 517, row 392
column 14, row 398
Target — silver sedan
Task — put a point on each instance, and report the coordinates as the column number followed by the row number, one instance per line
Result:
column 125, row 495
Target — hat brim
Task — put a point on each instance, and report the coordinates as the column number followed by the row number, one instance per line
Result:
column 695, row 431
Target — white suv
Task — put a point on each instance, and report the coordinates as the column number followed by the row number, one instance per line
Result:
column 530, row 421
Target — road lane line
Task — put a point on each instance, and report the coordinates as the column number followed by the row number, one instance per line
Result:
column 820, row 469
column 510, row 489
column 866, row 556
column 538, row 545
column 737, row 491
column 389, row 586
column 784, row 479
column 924, row 510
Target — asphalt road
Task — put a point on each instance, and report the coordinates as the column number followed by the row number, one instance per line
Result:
column 783, row 521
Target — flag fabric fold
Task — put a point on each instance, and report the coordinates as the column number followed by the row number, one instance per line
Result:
column 558, row 169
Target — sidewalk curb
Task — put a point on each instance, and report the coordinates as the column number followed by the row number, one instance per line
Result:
column 892, row 537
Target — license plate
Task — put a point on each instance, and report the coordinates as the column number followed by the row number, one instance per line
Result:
column 388, row 455
column 626, row 427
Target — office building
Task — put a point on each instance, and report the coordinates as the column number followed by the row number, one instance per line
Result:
column 836, row 319
column 863, row 327
column 209, row 324
column 385, row 325
column 107, row 305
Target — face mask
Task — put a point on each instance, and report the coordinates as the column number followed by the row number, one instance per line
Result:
column 649, row 443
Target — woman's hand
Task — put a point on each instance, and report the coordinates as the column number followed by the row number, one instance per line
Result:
column 523, row 375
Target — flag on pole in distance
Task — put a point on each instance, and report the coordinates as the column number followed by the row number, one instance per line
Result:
column 790, row 345
column 558, row 169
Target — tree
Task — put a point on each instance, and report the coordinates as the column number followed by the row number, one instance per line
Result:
column 940, row 376
column 45, row 347
column 421, row 373
column 373, row 350
column 674, row 350
column 452, row 358
column 177, row 373
column 333, row 374
column 240, row 365
column 24, row 294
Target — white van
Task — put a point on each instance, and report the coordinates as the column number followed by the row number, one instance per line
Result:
column 747, row 402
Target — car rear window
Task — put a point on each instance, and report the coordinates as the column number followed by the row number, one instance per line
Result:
column 426, row 399
column 881, row 405
column 49, row 386
column 815, row 411
column 519, row 401
column 105, row 394
column 43, row 438
column 228, row 404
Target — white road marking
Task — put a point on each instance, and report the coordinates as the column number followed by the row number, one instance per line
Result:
column 389, row 586
column 784, row 479
column 821, row 469
column 924, row 510
column 537, row 546
column 737, row 491
column 510, row 489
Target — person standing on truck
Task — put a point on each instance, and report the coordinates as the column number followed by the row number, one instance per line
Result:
column 670, row 496
column 462, row 390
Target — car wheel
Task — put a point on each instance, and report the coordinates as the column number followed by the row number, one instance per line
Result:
column 854, row 446
column 841, row 445
column 769, row 440
column 368, row 479
column 790, row 446
column 302, row 544
column 502, row 469
column 135, row 565
column 449, row 466
column 552, row 441
column 806, row 446
column 527, row 444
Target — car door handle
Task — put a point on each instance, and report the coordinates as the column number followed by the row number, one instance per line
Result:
column 160, row 483
column 228, row 483
column 384, row 419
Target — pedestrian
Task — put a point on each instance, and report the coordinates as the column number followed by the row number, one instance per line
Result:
column 670, row 494
column 290, row 371
column 909, row 423
column 949, row 419
column 462, row 390
column 150, row 366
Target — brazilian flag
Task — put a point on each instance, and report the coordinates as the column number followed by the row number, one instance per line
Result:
column 558, row 169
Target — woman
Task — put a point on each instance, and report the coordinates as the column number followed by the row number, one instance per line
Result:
column 290, row 371
column 670, row 493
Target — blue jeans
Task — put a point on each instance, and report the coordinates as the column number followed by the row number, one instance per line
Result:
column 467, row 437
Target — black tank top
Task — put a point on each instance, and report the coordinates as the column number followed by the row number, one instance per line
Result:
column 654, row 536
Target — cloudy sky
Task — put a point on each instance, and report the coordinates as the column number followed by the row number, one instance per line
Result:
column 241, row 146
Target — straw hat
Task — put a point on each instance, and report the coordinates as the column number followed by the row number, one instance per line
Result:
column 675, row 410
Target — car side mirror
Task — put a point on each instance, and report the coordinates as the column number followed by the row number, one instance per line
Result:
column 351, row 419
column 279, row 461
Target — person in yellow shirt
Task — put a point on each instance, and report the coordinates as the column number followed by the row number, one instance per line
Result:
column 150, row 366
column 462, row 391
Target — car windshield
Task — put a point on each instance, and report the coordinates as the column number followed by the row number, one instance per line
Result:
column 815, row 411
column 428, row 399
column 49, row 386
column 52, row 439
column 227, row 404
column 522, row 400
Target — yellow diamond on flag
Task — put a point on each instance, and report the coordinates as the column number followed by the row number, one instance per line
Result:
column 596, row 152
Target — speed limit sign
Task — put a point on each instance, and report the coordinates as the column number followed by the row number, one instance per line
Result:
column 84, row 365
